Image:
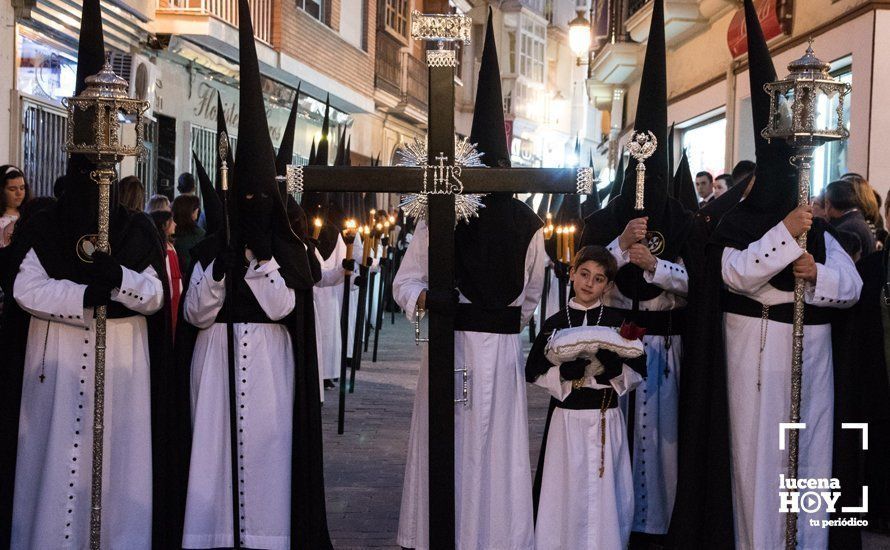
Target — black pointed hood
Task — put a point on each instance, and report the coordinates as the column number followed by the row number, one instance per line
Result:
column 80, row 198
column 311, row 160
column 669, row 222
column 684, row 186
column 774, row 192
column 490, row 250
column 488, row 131
column 321, row 148
column 670, row 152
column 214, row 215
column 286, row 147
column 570, row 211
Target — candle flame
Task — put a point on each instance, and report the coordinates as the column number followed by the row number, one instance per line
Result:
column 317, row 222
column 392, row 219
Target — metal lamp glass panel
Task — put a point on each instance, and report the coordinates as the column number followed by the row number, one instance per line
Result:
column 579, row 36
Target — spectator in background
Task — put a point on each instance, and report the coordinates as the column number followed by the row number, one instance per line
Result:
column 851, row 243
column 186, row 184
column 166, row 228
column 881, row 230
column 866, row 200
column 842, row 208
column 132, row 194
column 722, row 184
column 188, row 234
column 14, row 193
column 818, row 202
column 704, row 186
column 158, row 202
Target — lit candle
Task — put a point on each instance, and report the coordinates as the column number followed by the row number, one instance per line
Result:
column 559, row 246
column 349, row 237
column 316, row 228
column 570, row 252
column 366, row 242
column 373, row 216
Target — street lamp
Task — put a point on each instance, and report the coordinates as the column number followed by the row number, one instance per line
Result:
column 579, row 36
column 105, row 125
column 806, row 110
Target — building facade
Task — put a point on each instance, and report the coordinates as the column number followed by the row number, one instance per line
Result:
column 709, row 95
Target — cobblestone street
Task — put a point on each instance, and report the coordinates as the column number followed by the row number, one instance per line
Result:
column 365, row 465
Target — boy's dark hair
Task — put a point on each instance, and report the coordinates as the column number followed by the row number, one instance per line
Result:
column 705, row 175
column 728, row 179
column 841, row 194
column 186, row 183
column 600, row 256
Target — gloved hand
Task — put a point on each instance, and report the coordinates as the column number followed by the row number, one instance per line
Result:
column 359, row 281
column 573, row 370
column 106, row 271
column 225, row 259
column 384, row 241
column 348, row 264
column 561, row 270
column 442, row 301
column 611, row 365
column 96, row 295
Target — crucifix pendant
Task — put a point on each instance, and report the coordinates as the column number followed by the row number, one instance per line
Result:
column 42, row 377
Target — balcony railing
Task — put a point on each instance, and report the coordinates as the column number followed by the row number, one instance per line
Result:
column 388, row 67
column 225, row 10
column 418, row 81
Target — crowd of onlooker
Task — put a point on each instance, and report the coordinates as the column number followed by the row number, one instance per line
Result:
column 852, row 207
column 179, row 222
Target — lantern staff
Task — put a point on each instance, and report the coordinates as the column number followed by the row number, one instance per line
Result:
column 98, row 120
column 801, row 114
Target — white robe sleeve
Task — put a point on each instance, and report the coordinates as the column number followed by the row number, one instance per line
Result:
column 204, row 298
column 838, row 283
column 747, row 271
column 560, row 389
column 554, row 384
column 140, row 292
column 49, row 299
column 267, row 285
column 621, row 256
column 669, row 276
column 535, row 259
column 626, row 381
column 412, row 277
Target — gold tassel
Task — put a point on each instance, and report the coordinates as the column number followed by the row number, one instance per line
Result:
column 603, row 408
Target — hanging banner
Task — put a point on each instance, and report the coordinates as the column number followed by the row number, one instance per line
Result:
column 776, row 18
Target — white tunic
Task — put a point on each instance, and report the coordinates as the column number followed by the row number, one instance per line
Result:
column 52, row 482
column 493, row 492
column 754, row 415
column 264, row 358
column 578, row 508
column 657, row 399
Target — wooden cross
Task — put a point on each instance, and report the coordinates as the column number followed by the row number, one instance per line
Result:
column 441, row 222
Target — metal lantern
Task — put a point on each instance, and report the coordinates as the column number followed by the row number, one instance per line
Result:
column 105, row 125
column 807, row 108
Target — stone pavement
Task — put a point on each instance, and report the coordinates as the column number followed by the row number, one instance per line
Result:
column 364, row 466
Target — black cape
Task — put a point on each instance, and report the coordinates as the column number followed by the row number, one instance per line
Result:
column 309, row 528
column 869, row 348
column 702, row 515
column 136, row 245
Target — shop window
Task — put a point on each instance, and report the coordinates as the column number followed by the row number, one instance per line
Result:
column 315, row 8
column 705, row 145
column 45, row 69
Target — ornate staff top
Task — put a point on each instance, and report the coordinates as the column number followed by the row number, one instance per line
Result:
column 641, row 146
column 441, row 29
